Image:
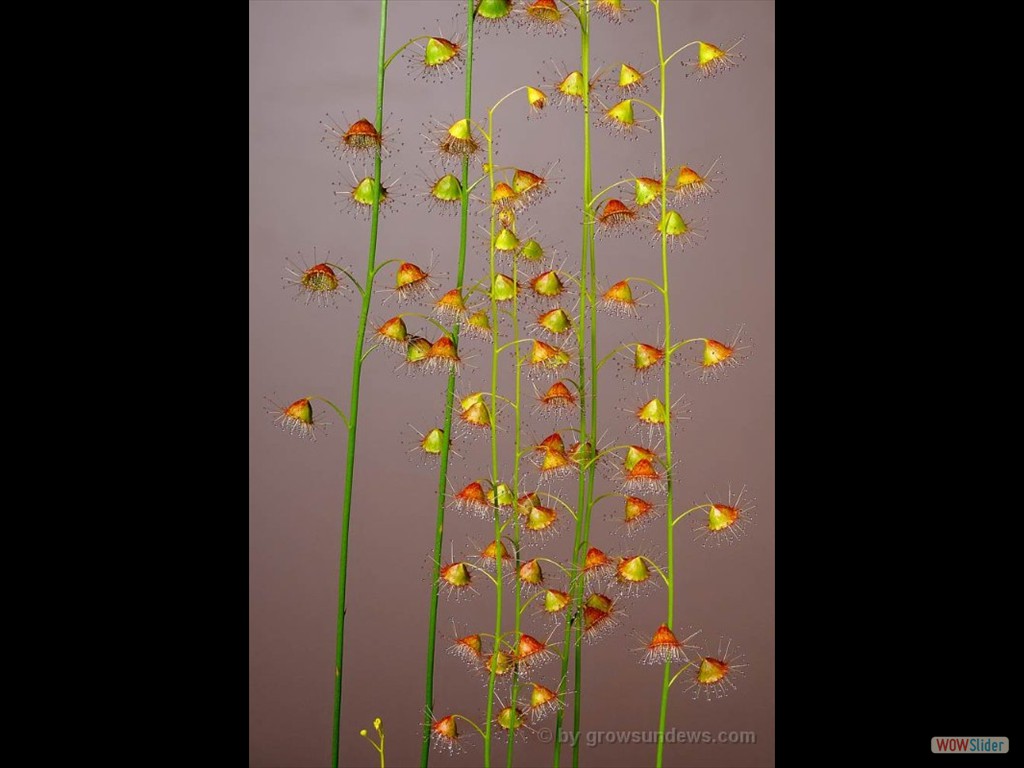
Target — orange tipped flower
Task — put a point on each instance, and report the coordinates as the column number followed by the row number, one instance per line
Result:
column 500, row 663
column 621, row 119
column 505, row 288
column 677, row 230
column 691, row 185
column 479, row 325
column 411, row 281
column 360, row 138
column 646, row 357
column 441, row 57
column 638, row 512
column 552, row 442
column 547, row 285
column 417, row 350
column 546, row 357
column 445, row 734
column 318, row 283
column 597, row 565
column 456, row 577
column 571, row 88
column 636, row 453
column 718, row 357
column 631, row 79
column 540, row 520
column 532, row 652
column 716, row 674
column 726, row 520
column 503, row 196
column 432, row 442
column 360, row 196
column 599, row 616
column 664, row 647
column 542, row 701
column 490, row 554
column 557, row 396
column 297, row 418
column 555, row 601
column 393, row 334
column 643, row 477
column 653, row 412
column 555, row 463
column 581, row 454
column 531, row 574
column 711, row 59
column 444, row 356
column 446, row 194
column 618, row 300
column 528, row 186
column 468, row 648
column 647, row 191
column 536, row 98
column 545, row 15
column 472, row 499
column 615, row 215
column 612, row 10
column 475, row 412
column 555, row 321
column 632, row 571
column 504, row 497
column 451, row 306
column 510, row 719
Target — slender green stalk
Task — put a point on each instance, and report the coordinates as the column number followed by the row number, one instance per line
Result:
column 488, row 726
column 353, row 412
column 442, row 480
column 585, row 264
column 670, row 562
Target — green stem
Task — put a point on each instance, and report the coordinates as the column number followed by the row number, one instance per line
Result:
column 515, row 513
column 586, row 264
column 357, row 369
column 670, row 567
column 442, row 480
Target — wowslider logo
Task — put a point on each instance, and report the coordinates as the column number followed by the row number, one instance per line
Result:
column 970, row 744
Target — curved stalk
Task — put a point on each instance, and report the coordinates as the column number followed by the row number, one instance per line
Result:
column 357, row 368
column 442, row 480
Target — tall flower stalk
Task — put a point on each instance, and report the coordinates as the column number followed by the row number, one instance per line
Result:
column 442, row 481
column 357, row 369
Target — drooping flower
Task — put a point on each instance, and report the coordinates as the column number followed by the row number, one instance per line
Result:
column 547, row 285
column 494, row 10
column 716, row 674
column 456, row 578
column 499, row 662
column 581, row 454
column 555, row 601
column 506, row 243
column 451, row 306
column 665, row 647
column 319, row 283
column 503, row 196
column 615, row 216
column 536, row 99
column 445, row 194
column 444, row 356
column 558, row 396
column 503, row 494
column 361, row 138
column 695, row 186
column 718, row 357
column 646, row 191
column 297, row 418
column 678, row 231
column 545, row 15
column 546, row 358
column 621, row 119
column 597, row 566
column 489, row 556
column 646, row 358
column 479, row 325
column 611, row 10
column 505, row 288
column 727, row 520
column 393, row 334
column 531, row 652
column 359, row 197
column 600, row 615
column 631, row 80
column 473, row 500
column 632, row 574
column 618, row 300
column 530, row 573
column 417, row 351
column 475, row 414
column 555, row 321
column 529, row 187
column 711, row 59
column 440, row 58
column 430, row 444
column 412, row 282
column 642, row 477
column 532, row 250
column 543, row 701
column 456, row 141
column 638, row 512
column 444, row 733
column 468, row 648
column 511, row 719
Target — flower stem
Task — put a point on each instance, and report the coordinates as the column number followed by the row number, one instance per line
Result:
column 442, row 480
column 670, row 566
column 357, row 368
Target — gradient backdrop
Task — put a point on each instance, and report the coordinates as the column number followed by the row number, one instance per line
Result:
column 309, row 58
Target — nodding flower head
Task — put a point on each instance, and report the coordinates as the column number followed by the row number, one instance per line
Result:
column 618, row 300
column 664, row 647
column 441, row 57
column 632, row 571
column 417, row 352
column 643, row 477
column 510, row 719
column 716, row 674
column 547, row 285
column 540, row 519
column 528, row 186
column 500, row 663
column 638, row 512
column 678, row 231
column 475, row 413
column 318, row 283
column 446, row 193
column 597, row 565
column 531, row 652
column 545, row 357
column 432, row 442
column 468, row 648
column 456, row 577
column 297, row 418
column 612, row 10
column 552, row 442
column 479, row 325
column 545, row 15
column 536, row 98
column 532, row 250
column 711, row 59
column 531, row 574
column 615, row 215
column 543, row 701
column 621, row 119
column 646, row 358
column 504, row 497
column 726, row 520
column 458, row 140
column 494, row 10
column 472, row 499
column 691, row 185
column 581, row 454
column 393, row 334
column 444, row 356
column 554, row 462
column 636, row 454
column 445, row 734
column 571, row 89
column 599, row 615
column 360, row 196
column 646, row 191
column 411, row 281
column 631, row 79
column 503, row 195
column 557, row 396
column 490, row 554
column 555, row 322
column 506, row 242
column 504, row 288
column 555, row 601
column 653, row 413
column 718, row 357
column 359, row 139
column 451, row 306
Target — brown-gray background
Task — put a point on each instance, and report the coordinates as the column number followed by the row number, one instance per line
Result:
column 308, row 58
